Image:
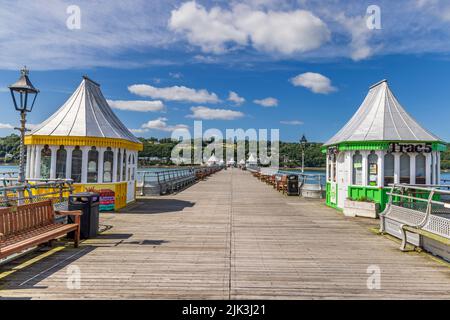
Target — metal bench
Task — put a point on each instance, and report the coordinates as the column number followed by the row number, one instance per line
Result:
column 417, row 220
column 29, row 225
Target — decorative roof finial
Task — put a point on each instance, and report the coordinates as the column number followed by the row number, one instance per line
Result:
column 24, row 71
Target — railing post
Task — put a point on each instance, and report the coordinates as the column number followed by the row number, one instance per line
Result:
column 429, row 209
column 143, row 183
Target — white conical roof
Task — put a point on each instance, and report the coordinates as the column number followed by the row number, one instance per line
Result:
column 231, row 160
column 85, row 114
column 252, row 158
column 213, row 158
column 381, row 118
column 242, row 161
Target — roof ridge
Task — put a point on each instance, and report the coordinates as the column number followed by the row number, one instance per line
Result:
column 85, row 77
column 378, row 83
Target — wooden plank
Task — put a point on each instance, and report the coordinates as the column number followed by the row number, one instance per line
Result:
column 232, row 236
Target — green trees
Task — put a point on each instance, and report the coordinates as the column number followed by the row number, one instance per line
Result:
column 445, row 159
column 158, row 151
column 9, row 148
column 291, row 155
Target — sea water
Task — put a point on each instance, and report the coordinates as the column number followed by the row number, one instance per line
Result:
column 12, row 168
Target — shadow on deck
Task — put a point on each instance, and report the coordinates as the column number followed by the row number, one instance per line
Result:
column 29, row 276
column 154, row 206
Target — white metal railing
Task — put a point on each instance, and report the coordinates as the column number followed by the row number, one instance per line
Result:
column 164, row 181
column 421, row 207
column 35, row 190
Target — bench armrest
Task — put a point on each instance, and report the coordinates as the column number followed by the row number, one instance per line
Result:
column 69, row 213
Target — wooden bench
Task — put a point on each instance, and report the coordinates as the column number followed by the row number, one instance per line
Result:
column 271, row 180
column 29, row 225
column 282, row 184
column 200, row 175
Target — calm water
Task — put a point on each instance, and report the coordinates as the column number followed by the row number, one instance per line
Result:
column 8, row 168
column 4, row 169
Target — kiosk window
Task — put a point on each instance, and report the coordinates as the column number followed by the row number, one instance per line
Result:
column 388, row 169
column 357, row 169
column 373, row 169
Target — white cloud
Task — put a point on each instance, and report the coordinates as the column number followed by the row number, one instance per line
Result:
column 159, row 124
column 211, row 30
column 205, row 113
column 292, row 122
column 138, row 131
column 234, row 97
column 6, row 126
column 4, row 89
column 315, row 82
column 217, row 30
column 205, row 59
column 267, row 102
column 438, row 8
column 176, row 75
column 38, row 35
column 175, row 93
column 284, row 32
column 32, row 126
column 360, row 34
column 136, row 34
column 137, row 105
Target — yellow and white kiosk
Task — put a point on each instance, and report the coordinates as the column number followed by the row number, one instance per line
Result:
column 85, row 141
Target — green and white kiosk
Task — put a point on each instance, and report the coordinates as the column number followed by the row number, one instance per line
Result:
column 380, row 145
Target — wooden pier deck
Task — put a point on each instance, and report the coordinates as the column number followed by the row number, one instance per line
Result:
column 230, row 237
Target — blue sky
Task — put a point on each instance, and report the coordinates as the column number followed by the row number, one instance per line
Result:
column 299, row 66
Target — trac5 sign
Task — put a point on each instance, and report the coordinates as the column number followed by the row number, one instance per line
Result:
column 410, row 148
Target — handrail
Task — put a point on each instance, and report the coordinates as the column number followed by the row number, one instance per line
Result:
column 16, row 193
column 398, row 191
column 173, row 178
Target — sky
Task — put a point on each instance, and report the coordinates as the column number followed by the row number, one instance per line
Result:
column 302, row 67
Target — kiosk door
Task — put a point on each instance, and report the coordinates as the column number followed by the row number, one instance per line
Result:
column 131, row 184
column 342, row 180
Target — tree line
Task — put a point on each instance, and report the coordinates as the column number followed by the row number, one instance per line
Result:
column 158, row 151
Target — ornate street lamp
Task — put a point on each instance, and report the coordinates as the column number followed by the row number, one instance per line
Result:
column 24, row 95
column 303, row 143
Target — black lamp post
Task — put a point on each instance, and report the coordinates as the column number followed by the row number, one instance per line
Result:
column 303, row 143
column 24, row 95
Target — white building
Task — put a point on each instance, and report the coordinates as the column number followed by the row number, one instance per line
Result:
column 380, row 145
column 85, row 141
column 213, row 160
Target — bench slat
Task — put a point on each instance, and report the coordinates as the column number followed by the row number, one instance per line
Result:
column 32, row 241
column 32, row 224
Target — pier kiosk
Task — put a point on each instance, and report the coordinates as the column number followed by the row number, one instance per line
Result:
column 380, row 145
column 252, row 162
column 213, row 161
column 85, row 141
column 231, row 163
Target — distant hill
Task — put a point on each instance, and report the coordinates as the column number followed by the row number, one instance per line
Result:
column 158, row 151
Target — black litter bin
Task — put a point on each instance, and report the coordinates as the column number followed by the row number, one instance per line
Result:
column 292, row 187
column 88, row 203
